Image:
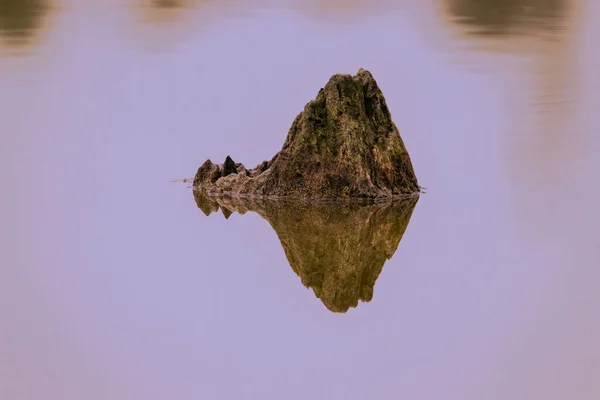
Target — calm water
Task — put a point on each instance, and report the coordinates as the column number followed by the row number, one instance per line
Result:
column 114, row 284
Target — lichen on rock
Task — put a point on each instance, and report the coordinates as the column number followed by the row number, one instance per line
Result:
column 344, row 144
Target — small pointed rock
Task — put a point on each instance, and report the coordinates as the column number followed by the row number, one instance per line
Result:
column 226, row 212
column 229, row 167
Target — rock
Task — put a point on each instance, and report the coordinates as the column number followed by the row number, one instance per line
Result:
column 208, row 173
column 241, row 170
column 262, row 167
column 228, row 167
column 337, row 249
column 344, row 144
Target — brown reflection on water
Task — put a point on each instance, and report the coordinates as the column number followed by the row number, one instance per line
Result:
column 342, row 9
column 164, row 11
column 337, row 250
column 534, row 44
column 164, row 23
column 158, row 11
column 21, row 20
column 501, row 17
column 550, row 129
column 168, row 3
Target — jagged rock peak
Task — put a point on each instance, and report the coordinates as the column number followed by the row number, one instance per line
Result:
column 344, row 144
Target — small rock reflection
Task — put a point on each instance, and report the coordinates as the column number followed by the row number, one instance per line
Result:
column 20, row 20
column 337, row 250
column 167, row 3
column 501, row 17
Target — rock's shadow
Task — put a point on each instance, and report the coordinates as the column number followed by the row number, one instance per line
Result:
column 336, row 249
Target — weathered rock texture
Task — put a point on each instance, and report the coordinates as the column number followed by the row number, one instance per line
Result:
column 337, row 249
column 343, row 145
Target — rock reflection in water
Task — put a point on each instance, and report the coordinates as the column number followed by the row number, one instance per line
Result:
column 338, row 250
column 21, row 19
column 498, row 17
column 167, row 3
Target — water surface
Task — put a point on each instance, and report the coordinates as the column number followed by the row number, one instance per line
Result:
column 115, row 285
